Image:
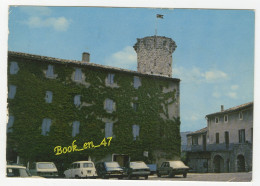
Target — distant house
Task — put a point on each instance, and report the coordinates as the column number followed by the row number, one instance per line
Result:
column 225, row 145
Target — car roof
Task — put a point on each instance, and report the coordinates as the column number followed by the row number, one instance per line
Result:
column 43, row 162
column 83, row 162
column 15, row 166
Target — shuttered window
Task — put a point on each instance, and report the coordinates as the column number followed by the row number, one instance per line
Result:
column 46, row 125
column 77, row 101
column 109, row 130
column 14, row 68
column 49, row 72
column 137, row 82
column 109, row 105
column 48, row 97
column 110, row 79
column 75, row 128
column 10, row 124
column 12, row 91
column 78, row 74
column 136, row 129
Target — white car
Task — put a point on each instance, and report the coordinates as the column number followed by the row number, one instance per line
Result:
column 18, row 171
column 81, row 169
column 44, row 169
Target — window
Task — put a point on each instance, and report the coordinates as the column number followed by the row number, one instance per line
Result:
column 241, row 134
column 136, row 130
column 110, row 79
column 227, row 137
column 137, row 82
column 109, row 130
column 12, row 91
column 48, row 97
column 10, row 124
column 78, row 74
column 77, row 100
column 75, row 128
column 194, row 140
column 49, row 72
column 216, row 119
column 109, row 105
column 217, row 138
column 225, row 118
column 14, row 68
column 135, row 106
column 46, row 124
column 240, row 115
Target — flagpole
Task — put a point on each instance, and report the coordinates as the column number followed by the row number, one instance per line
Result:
column 156, row 26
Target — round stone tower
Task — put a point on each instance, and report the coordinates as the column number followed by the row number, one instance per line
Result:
column 154, row 55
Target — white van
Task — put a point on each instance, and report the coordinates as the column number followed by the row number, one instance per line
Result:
column 44, row 169
column 81, row 169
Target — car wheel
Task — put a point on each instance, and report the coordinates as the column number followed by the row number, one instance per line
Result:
column 185, row 175
column 129, row 177
column 77, row 177
column 158, row 174
column 146, row 177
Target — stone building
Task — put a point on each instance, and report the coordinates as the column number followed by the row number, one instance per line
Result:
column 52, row 102
column 225, row 145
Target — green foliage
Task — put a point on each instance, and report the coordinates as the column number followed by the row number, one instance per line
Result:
column 29, row 109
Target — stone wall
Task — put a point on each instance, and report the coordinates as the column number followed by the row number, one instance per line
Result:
column 154, row 55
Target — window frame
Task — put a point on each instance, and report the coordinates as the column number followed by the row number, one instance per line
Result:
column 226, row 118
column 241, row 135
column 50, row 71
column 14, row 68
column 46, row 126
column 217, row 137
column 240, row 115
column 135, row 131
column 216, row 120
column 78, row 75
column 109, row 129
column 75, row 128
column 48, row 96
column 110, row 79
column 77, row 100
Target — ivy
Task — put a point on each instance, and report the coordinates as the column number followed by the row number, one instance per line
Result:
column 29, row 109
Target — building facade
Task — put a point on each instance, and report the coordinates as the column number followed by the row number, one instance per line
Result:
column 53, row 102
column 225, row 145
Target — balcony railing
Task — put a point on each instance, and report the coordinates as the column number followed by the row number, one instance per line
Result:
column 216, row 147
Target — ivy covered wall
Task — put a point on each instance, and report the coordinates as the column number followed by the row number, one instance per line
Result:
column 29, row 109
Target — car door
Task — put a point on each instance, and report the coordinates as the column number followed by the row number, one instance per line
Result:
column 162, row 169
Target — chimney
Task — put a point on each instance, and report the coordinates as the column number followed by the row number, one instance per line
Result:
column 85, row 57
column 222, row 108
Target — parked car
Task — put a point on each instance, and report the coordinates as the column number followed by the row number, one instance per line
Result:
column 81, row 169
column 109, row 170
column 172, row 168
column 137, row 169
column 43, row 169
column 18, row 171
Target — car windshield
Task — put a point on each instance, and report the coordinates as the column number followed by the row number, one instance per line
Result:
column 17, row 172
column 138, row 165
column 87, row 165
column 46, row 166
column 177, row 164
column 112, row 164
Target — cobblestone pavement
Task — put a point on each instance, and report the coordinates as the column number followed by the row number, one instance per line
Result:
column 224, row 177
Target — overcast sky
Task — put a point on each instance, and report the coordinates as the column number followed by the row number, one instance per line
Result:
column 214, row 57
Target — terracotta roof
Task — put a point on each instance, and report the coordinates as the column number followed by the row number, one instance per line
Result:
column 201, row 131
column 232, row 109
column 86, row 64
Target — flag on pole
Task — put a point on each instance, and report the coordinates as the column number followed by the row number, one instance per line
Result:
column 159, row 16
